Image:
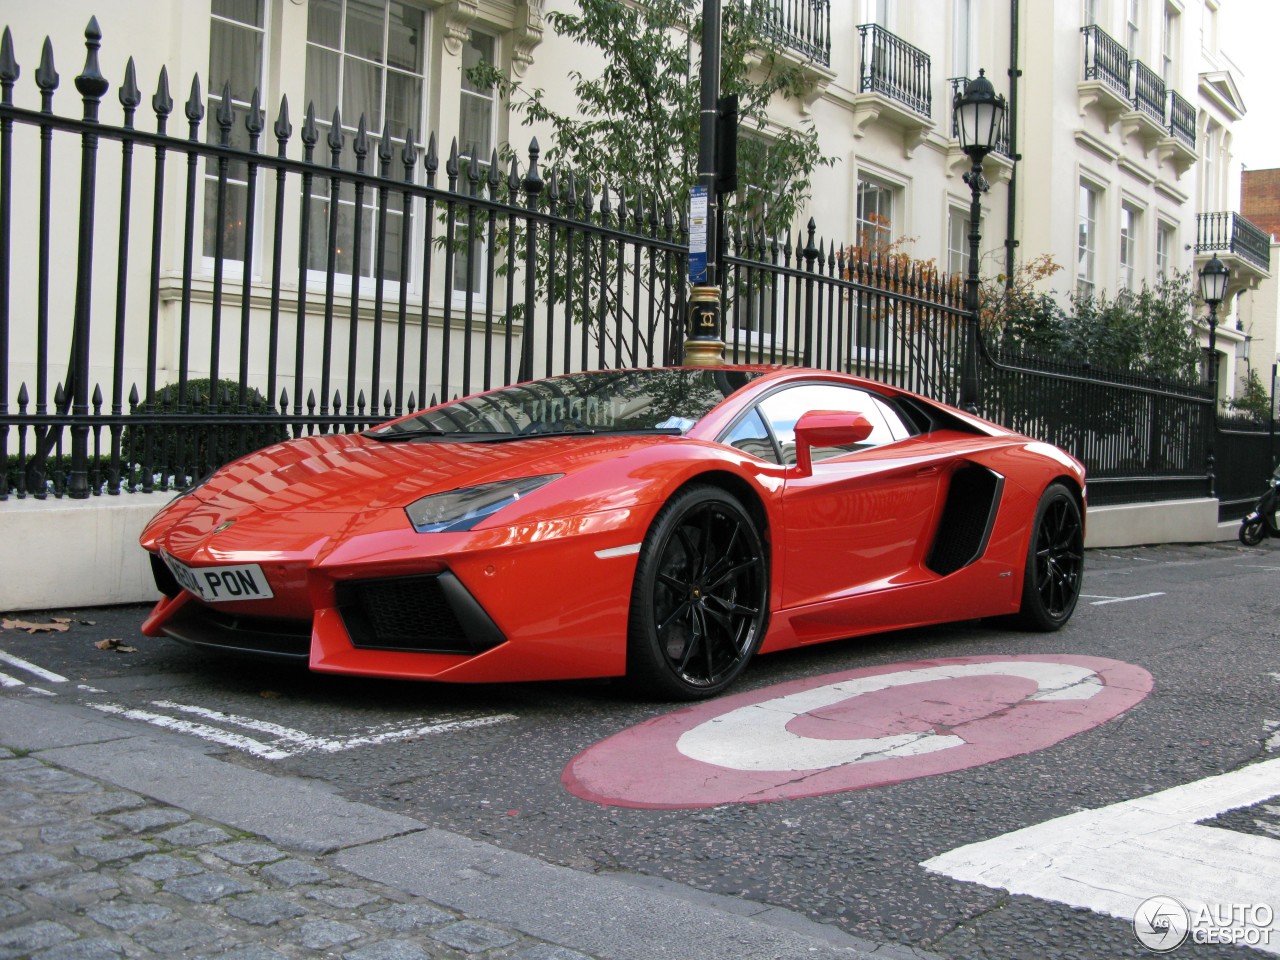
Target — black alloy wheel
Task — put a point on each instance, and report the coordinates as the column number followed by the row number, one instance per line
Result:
column 701, row 597
column 1055, row 562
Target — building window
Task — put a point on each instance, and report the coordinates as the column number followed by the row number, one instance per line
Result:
column 1133, row 25
column 1087, row 242
column 475, row 146
column 1129, row 220
column 237, row 32
column 366, row 58
column 1211, row 189
column 1089, row 12
column 1169, row 46
column 962, row 38
column 1165, row 239
column 958, row 242
column 876, row 11
column 875, row 217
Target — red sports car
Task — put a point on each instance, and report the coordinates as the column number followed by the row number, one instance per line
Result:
column 664, row 525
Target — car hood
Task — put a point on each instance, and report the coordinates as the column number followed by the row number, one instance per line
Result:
column 353, row 473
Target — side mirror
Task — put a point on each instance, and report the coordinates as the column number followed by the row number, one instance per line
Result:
column 827, row 428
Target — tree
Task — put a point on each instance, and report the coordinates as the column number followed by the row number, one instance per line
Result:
column 1253, row 402
column 634, row 127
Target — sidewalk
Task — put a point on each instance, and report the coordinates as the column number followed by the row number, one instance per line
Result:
column 117, row 843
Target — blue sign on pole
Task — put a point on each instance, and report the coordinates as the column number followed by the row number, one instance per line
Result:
column 698, row 235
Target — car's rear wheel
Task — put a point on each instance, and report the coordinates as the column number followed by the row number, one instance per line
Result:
column 1055, row 562
column 700, row 599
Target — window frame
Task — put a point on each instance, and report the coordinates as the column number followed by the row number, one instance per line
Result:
column 232, row 266
column 1088, row 207
column 367, row 279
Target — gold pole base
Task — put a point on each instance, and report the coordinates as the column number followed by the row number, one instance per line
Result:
column 703, row 353
column 704, row 348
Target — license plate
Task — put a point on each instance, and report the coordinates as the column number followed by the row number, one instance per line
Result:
column 244, row 581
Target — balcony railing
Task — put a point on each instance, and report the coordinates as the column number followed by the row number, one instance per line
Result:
column 1182, row 119
column 895, row 68
column 801, row 25
column 1148, row 91
column 1105, row 59
column 1002, row 135
column 1232, row 233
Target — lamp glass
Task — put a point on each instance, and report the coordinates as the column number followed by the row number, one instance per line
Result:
column 1213, row 281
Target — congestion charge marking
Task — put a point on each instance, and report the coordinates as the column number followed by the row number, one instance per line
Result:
column 854, row 730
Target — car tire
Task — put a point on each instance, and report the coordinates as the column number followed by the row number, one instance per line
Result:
column 1251, row 534
column 1055, row 562
column 700, row 600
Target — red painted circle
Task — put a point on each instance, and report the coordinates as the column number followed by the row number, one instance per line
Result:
column 853, row 730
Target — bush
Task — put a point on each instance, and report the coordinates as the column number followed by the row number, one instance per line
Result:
column 209, row 430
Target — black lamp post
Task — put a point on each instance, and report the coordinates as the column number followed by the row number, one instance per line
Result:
column 1213, row 290
column 979, row 114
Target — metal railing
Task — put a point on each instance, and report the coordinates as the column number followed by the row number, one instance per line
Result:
column 892, row 67
column 1139, row 438
column 801, row 25
column 1182, row 119
column 1002, row 135
column 1105, row 59
column 1229, row 232
column 1148, row 91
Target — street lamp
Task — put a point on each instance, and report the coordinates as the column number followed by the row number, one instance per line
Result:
column 979, row 114
column 1213, row 290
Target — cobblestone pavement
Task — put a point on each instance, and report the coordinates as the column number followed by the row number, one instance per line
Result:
column 92, row 872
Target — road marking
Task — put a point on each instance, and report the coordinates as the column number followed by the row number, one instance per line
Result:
column 8, row 681
column 850, row 731
column 309, row 742
column 1111, row 859
column 756, row 737
column 213, row 734
column 1103, row 601
column 40, row 672
column 1254, row 566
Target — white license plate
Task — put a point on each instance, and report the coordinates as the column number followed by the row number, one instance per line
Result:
column 244, row 581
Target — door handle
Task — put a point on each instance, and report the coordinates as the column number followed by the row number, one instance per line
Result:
column 927, row 472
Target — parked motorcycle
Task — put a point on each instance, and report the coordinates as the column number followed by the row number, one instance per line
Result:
column 1260, row 523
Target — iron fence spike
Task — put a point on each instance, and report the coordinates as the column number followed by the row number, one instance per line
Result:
column 283, row 128
column 9, row 69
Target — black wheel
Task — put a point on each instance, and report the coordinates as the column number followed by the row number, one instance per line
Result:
column 700, row 599
column 1055, row 562
column 1251, row 534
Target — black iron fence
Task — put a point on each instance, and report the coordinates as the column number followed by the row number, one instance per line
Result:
column 892, row 67
column 224, row 297
column 801, row 25
column 1228, row 232
column 1105, row 59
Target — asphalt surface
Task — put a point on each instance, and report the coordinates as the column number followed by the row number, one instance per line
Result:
column 485, row 762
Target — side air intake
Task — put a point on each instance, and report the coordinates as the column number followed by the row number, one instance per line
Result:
column 972, row 499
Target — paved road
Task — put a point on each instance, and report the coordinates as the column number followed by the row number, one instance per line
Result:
column 486, row 762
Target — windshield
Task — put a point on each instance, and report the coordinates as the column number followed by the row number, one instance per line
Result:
column 609, row 401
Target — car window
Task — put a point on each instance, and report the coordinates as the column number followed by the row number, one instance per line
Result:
column 782, row 409
column 751, row 436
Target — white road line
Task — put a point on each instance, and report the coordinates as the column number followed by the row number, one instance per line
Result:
column 43, row 692
column 40, row 672
column 431, row 728
column 308, row 742
column 1254, row 566
column 213, row 734
column 1112, row 859
column 8, row 681
column 1141, row 596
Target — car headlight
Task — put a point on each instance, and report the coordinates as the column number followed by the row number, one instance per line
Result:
column 463, row 509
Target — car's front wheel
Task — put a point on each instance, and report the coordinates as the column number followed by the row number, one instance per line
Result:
column 1055, row 561
column 701, row 595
